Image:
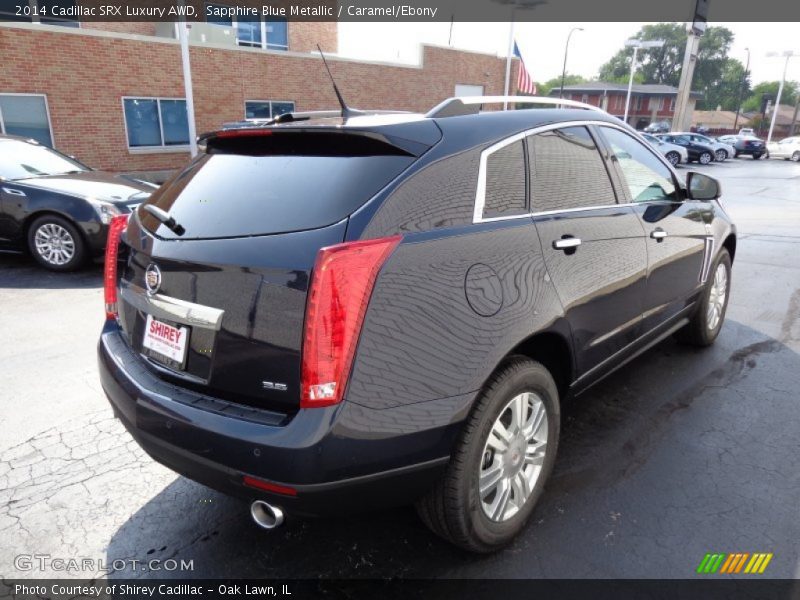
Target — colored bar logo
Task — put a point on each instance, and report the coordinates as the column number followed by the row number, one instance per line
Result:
column 737, row 562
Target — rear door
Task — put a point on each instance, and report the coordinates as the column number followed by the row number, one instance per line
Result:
column 594, row 248
column 679, row 243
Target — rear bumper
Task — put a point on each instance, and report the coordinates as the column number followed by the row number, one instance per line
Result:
column 337, row 459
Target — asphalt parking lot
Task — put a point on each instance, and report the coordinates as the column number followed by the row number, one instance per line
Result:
column 681, row 453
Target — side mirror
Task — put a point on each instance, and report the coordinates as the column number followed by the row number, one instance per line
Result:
column 702, row 187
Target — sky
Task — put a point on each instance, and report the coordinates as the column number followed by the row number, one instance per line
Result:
column 542, row 44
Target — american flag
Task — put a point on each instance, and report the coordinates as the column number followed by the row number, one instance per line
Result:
column 525, row 82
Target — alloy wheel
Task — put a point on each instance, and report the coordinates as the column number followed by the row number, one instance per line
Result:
column 705, row 158
column 54, row 244
column 796, row 157
column 721, row 155
column 673, row 158
column 513, row 457
column 717, row 297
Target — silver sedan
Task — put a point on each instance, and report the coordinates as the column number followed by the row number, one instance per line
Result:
column 674, row 154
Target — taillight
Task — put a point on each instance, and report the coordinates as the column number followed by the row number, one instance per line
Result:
column 341, row 286
column 115, row 230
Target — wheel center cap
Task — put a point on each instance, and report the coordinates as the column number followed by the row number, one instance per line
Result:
column 515, row 455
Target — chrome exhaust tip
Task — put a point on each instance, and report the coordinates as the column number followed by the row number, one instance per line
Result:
column 265, row 515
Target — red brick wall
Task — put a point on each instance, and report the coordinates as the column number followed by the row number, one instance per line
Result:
column 85, row 78
column 144, row 28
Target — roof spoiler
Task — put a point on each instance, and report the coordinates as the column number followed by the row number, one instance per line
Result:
column 470, row 105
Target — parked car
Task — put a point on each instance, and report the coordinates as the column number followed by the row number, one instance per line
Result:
column 57, row 208
column 749, row 145
column 787, row 149
column 722, row 151
column 674, row 154
column 324, row 315
column 747, row 131
column 703, row 129
column 701, row 153
column 658, row 127
column 728, row 139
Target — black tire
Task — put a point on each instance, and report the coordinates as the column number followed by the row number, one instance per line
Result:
column 721, row 155
column 795, row 157
column 697, row 332
column 453, row 509
column 757, row 156
column 735, row 154
column 674, row 158
column 72, row 242
column 705, row 158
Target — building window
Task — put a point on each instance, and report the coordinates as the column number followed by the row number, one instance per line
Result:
column 672, row 105
column 585, row 98
column 26, row 115
column 266, row 109
column 46, row 12
column 156, row 122
column 251, row 32
column 638, row 104
column 277, row 34
column 215, row 12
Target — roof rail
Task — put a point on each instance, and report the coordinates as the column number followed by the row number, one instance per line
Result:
column 453, row 107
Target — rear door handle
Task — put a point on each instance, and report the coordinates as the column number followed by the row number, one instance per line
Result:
column 13, row 192
column 567, row 243
column 658, row 234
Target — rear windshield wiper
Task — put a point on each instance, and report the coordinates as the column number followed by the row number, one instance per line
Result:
column 164, row 217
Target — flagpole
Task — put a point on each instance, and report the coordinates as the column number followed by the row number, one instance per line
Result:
column 508, row 58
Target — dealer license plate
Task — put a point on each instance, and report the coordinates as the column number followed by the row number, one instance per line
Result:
column 165, row 343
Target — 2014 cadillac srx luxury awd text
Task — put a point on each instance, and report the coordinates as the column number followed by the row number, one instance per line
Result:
column 327, row 313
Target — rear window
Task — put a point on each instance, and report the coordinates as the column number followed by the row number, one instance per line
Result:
column 251, row 187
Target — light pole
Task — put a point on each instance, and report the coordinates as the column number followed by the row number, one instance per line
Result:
column 564, row 70
column 741, row 90
column 636, row 44
column 515, row 5
column 788, row 54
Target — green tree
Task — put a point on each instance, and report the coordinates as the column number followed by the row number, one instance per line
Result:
column 791, row 89
column 555, row 83
column 724, row 92
column 663, row 65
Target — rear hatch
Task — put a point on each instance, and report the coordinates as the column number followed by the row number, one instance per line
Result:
column 225, row 306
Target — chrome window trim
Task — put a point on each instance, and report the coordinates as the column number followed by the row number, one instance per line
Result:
column 480, row 192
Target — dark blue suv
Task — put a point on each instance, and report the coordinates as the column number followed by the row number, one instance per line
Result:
column 324, row 314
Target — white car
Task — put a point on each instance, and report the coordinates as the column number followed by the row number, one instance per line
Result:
column 787, row 149
column 722, row 151
column 747, row 131
column 674, row 154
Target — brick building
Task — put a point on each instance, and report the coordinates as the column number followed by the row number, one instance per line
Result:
column 112, row 94
column 649, row 102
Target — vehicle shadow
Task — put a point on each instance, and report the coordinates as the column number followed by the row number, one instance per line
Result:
column 19, row 271
column 628, row 446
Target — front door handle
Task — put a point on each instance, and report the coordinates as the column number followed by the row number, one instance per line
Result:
column 658, row 234
column 567, row 243
column 13, row 192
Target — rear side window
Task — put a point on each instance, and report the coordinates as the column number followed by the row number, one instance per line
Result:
column 505, row 182
column 567, row 171
column 276, row 188
column 645, row 176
